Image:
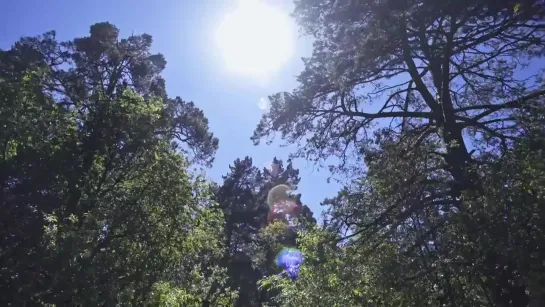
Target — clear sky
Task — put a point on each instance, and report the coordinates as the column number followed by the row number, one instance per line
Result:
column 185, row 31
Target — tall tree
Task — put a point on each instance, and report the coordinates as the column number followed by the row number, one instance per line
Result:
column 436, row 69
column 250, row 251
column 244, row 215
column 395, row 255
column 437, row 78
column 96, row 204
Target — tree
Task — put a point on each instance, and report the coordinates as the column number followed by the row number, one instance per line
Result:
column 250, row 244
column 97, row 207
column 436, row 69
column 244, row 215
column 396, row 255
column 437, row 78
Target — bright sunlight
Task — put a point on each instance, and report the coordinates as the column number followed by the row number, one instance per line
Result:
column 255, row 39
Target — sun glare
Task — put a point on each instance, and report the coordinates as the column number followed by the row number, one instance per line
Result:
column 255, row 39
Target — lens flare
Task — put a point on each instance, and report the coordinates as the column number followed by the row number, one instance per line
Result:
column 278, row 194
column 291, row 260
column 282, row 205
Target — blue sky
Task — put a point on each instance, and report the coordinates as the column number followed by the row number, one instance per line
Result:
column 183, row 30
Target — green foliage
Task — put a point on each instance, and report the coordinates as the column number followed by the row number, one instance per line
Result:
column 408, row 89
column 97, row 206
column 166, row 294
column 401, row 255
column 251, row 240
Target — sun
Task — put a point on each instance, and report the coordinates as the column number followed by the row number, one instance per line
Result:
column 255, row 39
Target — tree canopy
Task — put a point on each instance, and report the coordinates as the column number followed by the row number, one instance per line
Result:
column 440, row 101
column 97, row 205
column 433, row 112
